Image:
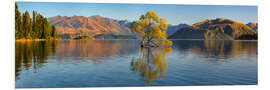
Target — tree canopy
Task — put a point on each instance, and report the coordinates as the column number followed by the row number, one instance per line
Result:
column 151, row 30
column 37, row 27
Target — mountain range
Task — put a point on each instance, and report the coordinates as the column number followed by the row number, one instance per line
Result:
column 98, row 26
column 107, row 28
column 219, row 28
column 89, row 25
column 254, row 26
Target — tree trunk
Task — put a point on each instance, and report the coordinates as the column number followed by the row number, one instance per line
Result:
column 142, row 43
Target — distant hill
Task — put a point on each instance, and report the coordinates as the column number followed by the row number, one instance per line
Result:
column 216, row 29
column 111, row 36
column 254, row 26
column 173, row 28
column 89, row 25
column 97, row 27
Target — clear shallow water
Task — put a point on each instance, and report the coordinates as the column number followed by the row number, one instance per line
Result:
column 102, row 63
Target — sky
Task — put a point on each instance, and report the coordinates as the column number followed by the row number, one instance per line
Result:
column 173, row 13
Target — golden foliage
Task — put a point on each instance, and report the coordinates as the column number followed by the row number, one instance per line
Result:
column 151, row 29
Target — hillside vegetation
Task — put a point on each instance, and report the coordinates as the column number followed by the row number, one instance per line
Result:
column 216, row 29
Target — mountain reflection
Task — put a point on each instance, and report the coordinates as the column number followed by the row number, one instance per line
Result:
column 151, row 63
column 217, row 49
column 93, row 49
column 33, row 54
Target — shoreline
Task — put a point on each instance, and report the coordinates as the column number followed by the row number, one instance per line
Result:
column 18, row 40
column 123, row 39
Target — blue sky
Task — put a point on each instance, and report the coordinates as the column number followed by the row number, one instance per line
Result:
column 175, row 14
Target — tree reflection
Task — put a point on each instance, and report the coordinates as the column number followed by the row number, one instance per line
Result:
column 151, row 63
column 32, row 54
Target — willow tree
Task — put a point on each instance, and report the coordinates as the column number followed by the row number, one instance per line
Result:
column 151, row 30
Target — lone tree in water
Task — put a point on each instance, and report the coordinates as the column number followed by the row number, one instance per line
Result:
column 151, row 30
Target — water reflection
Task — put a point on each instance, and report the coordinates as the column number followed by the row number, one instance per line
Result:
column 217, row 49
column 93, row 49
column 151, row 63
column 32, row 54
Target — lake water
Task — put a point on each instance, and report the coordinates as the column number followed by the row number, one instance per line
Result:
column 110, row 63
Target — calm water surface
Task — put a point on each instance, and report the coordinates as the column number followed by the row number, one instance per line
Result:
column 98, row 63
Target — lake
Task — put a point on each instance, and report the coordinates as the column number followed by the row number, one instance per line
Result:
column 110, row 63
